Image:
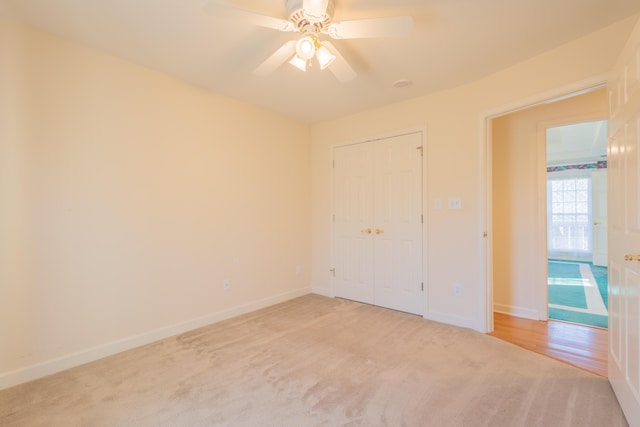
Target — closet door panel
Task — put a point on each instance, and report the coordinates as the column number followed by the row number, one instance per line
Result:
column 398, row 223
column 353, row 216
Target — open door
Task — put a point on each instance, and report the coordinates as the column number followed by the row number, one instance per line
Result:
column 624, row 228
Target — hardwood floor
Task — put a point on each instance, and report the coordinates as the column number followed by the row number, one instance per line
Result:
column 578, row 345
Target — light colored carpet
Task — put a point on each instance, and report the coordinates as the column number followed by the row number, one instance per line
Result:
column 317, row 361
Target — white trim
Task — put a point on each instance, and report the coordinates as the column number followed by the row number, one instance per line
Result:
column 29, row 373
column 556, row 94
column 325, row 292
column 485, row 300
column 386, row 135
column 550, row 96
column 527, row 313
column 425, row 221
column 463, row 322
column 541, row 273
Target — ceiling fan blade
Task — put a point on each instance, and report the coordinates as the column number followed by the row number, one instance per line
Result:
column 315, row 9
column 340, row 67
column 241, row 15
column 278, row 58
column 391, row 26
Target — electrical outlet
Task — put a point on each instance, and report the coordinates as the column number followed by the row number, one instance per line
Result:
column 457, row 289
column 226, row 284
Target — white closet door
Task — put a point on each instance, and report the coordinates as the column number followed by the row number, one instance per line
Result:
column 398, row 223
column 378, row 222
column 353, row 219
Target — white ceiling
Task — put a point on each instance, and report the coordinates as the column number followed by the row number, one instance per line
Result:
column 576, row 143
column 453, row 42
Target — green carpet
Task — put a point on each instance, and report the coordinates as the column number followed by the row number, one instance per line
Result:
column 565, row 270
column 571, row 296
column 567, row 293
column 602, row 279
column 581, row 318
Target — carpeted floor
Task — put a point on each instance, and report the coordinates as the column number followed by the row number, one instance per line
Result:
column 317, row 361
column 578, row 293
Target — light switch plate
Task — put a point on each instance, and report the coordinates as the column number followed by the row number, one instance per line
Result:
column 454, row 203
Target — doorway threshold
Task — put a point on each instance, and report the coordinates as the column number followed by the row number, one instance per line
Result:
column 581, row 346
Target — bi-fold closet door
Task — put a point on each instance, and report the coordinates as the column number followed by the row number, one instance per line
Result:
column 377, row 222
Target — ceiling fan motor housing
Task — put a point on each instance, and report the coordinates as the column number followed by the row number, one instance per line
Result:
column 300, row 21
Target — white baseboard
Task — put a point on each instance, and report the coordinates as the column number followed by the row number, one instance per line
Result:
column 463, row 322
column 512, row 310
column 322, row 291
column 39, row 370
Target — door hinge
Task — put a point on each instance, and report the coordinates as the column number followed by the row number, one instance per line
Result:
column 422, row 219
column 333, row 271
column 419, row 148
column 333, row 218
column 485, row 234
column 334, row 164
column 422, row 286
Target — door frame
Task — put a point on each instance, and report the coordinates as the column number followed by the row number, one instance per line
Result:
column 422, row 130
column 485, row 138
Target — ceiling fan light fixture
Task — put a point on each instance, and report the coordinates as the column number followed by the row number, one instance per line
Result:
column 306, row 47
column 325, row 57
column 299, row 63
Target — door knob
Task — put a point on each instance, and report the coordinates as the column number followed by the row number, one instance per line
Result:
column 379, row 231
column 366, row 230
column 630, row 257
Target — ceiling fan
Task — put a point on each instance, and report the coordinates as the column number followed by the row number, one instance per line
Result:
column 313, row 20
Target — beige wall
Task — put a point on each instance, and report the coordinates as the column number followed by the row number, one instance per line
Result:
column 455, row 152
column 519, row 205
column 127, row 197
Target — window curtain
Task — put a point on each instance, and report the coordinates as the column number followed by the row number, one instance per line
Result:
column 569, row 214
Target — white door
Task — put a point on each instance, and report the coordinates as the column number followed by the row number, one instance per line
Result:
column 398, row 223
column 353, row 222
column 624, row 229
column 378, row 222
column 599, row 214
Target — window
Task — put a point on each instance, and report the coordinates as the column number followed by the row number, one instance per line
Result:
column 569, row 216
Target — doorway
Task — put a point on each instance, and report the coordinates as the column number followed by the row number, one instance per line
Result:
column 519, row 208
column 518, row 262
column 377, row 222
column 576, row 170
